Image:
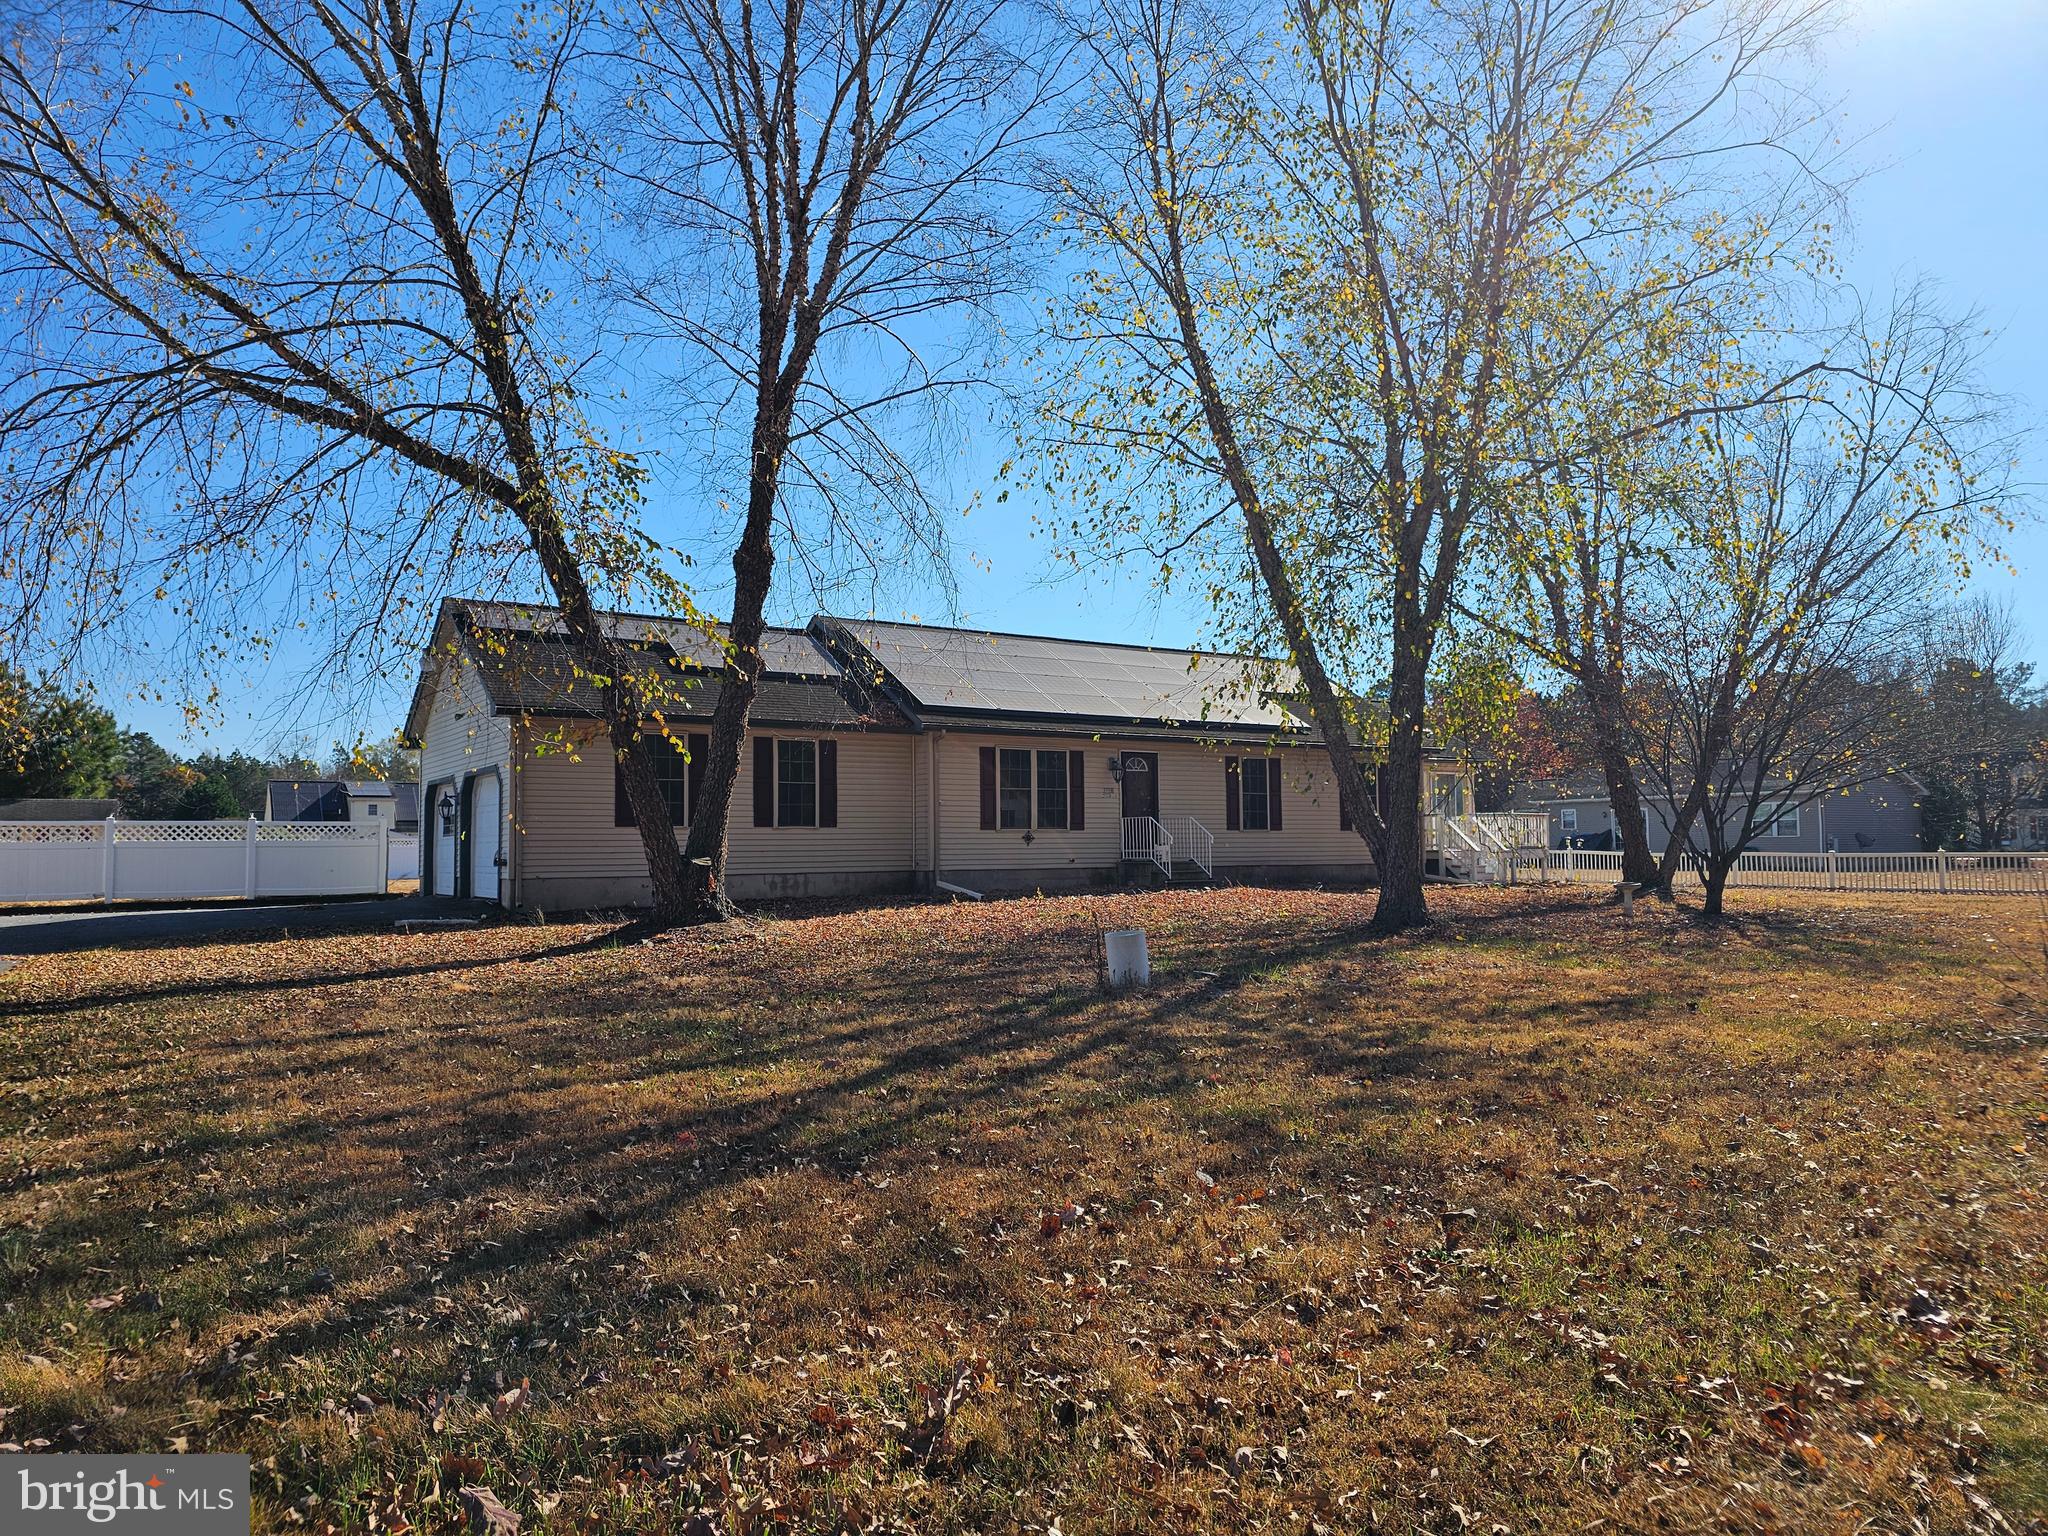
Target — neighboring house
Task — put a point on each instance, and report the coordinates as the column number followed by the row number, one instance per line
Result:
column 2030, row 825
column 1880, row 816
column 879, row 757
column 58, row 810
column 367, row 802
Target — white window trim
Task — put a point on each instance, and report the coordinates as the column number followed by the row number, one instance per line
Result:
column 1244, row 818
column 1033, row 824
column 1568, row 819
column 816, row 777
column 1785, row 813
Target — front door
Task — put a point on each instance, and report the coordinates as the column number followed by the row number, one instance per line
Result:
column 1141, row 784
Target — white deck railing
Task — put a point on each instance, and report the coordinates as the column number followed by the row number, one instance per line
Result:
column 1951, row 874
column 1190, row 839
column 1146, row 838
column 115, row 860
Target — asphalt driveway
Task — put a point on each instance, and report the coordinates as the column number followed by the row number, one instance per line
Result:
column 61, row 930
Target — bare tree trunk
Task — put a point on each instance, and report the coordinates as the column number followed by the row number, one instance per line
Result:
column 1324, row 707
column 1638, row 864
column 1402, row 903
column 753, row 566
column 1715, row 876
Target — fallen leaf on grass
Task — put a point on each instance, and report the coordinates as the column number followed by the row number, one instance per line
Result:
column 487, row 1517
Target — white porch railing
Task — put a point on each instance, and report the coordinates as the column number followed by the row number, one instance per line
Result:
column 173, row 860
column 1515, row 829
column 1145, row 838
column 1196, row 842
column 1937, row 874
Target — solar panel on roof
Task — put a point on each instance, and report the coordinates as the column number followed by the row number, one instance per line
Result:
column 1034, row 675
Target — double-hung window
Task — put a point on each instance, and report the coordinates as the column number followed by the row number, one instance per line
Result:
column 1258, row 796
column 1787, row 822
column 1052, row 789
column 796, row 783
column 1023, row 789
column 1013, row 765
column 1568, row 819
column 1251, row 794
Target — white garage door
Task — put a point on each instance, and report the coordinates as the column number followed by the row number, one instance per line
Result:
column 445, row 845
column 483, row 840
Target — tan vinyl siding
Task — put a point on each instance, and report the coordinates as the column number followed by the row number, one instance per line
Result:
column 964, row 845
column 1190, row 784
column 568, row 808
column 921, row 759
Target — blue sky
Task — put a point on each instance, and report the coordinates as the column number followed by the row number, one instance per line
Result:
column 1947, row 101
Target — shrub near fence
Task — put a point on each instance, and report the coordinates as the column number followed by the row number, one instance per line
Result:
column 1954, row 874
column 174, row 860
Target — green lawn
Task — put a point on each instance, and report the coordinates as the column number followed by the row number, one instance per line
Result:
column 891, row 1220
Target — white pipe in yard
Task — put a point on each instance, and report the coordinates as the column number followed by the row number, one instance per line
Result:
column 1123, row 949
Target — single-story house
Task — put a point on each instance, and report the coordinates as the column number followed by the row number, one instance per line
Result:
column 879, row 757
column 366, row 802
column 48, row 808
column 1878, row 816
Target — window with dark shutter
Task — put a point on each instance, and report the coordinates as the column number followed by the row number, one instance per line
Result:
column 828, row 783
column 1077, row 794
column 1233, row 814
column 764, row 781
column 988, row 789
column 1052, row 789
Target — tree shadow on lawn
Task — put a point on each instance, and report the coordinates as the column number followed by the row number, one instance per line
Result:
column 564, row 1105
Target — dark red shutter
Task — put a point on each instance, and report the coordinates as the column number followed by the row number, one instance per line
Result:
column 700, row 754
column 988, row 789
column 828, row 783
column 1232, row 817
column 622, row 808
column 1343, row 811
column 1273, row 794
column 764, row 781
column 1077, row 792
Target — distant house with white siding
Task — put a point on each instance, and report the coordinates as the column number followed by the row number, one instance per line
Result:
column 879, row 757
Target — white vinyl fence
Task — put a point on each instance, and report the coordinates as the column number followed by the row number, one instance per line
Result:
column 402, row 859
column 172, row 860
column 1952, row 874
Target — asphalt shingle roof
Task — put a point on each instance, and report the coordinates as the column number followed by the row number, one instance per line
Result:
column 537, row 674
